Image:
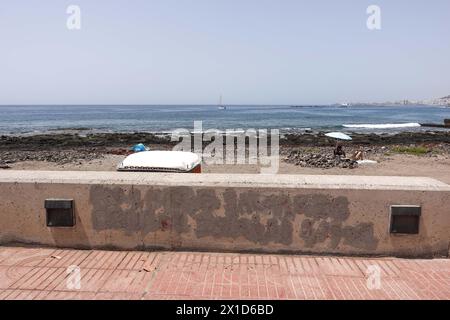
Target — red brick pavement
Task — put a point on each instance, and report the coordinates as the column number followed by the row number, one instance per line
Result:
column 37, row 273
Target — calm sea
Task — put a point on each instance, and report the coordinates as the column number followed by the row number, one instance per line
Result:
column 37, row 119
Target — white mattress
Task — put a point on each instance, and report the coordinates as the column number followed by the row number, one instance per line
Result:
column 161, row 161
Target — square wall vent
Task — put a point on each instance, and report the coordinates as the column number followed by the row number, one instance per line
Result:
column 405, row 219
column 59, row 213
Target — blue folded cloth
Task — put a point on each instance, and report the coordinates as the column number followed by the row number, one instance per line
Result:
column 139, row 148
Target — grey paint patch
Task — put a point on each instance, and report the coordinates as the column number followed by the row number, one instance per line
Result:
column 325, row 222
column 257, row 217
column 115, row 208
column 360, row 236
column 249, row 215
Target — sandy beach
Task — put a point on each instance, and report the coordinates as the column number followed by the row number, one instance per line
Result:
column 406, row 154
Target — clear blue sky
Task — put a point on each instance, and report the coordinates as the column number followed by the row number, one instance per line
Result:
column 251, row 51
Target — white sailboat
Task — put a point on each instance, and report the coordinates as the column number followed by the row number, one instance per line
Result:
column 221, row 106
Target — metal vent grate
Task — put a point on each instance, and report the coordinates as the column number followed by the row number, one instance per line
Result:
column 405, row 219
column 59, row 213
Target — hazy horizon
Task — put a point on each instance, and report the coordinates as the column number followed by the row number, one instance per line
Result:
column 184, row 52
column 359, row 104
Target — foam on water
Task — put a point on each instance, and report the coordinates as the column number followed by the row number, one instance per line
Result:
column 382, row 126
column 165, row 119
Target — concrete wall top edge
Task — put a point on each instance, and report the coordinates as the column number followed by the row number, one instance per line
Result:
column 226, row 180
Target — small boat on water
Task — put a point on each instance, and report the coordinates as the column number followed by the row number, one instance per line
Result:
column 221, row 106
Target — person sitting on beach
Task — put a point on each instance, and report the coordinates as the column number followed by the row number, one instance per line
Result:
column 358, row 155
column 339, row 151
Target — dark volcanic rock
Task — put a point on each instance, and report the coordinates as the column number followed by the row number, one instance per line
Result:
column 59, row 157
column 319, row 139
column 117, row 140
column 319, row 160
column 67, row 141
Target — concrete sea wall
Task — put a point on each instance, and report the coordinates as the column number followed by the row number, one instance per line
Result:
column 346, row 215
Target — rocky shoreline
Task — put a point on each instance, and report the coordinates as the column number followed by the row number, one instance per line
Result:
column 303, row 149
column 72, row 140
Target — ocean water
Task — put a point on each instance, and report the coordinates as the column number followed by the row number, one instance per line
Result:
column 39, row 119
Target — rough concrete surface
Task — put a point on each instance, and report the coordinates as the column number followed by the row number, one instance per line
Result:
column 307, row 214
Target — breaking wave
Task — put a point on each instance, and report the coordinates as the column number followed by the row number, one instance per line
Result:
column 383, row 126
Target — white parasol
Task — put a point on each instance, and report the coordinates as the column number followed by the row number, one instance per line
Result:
column 339, row 136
